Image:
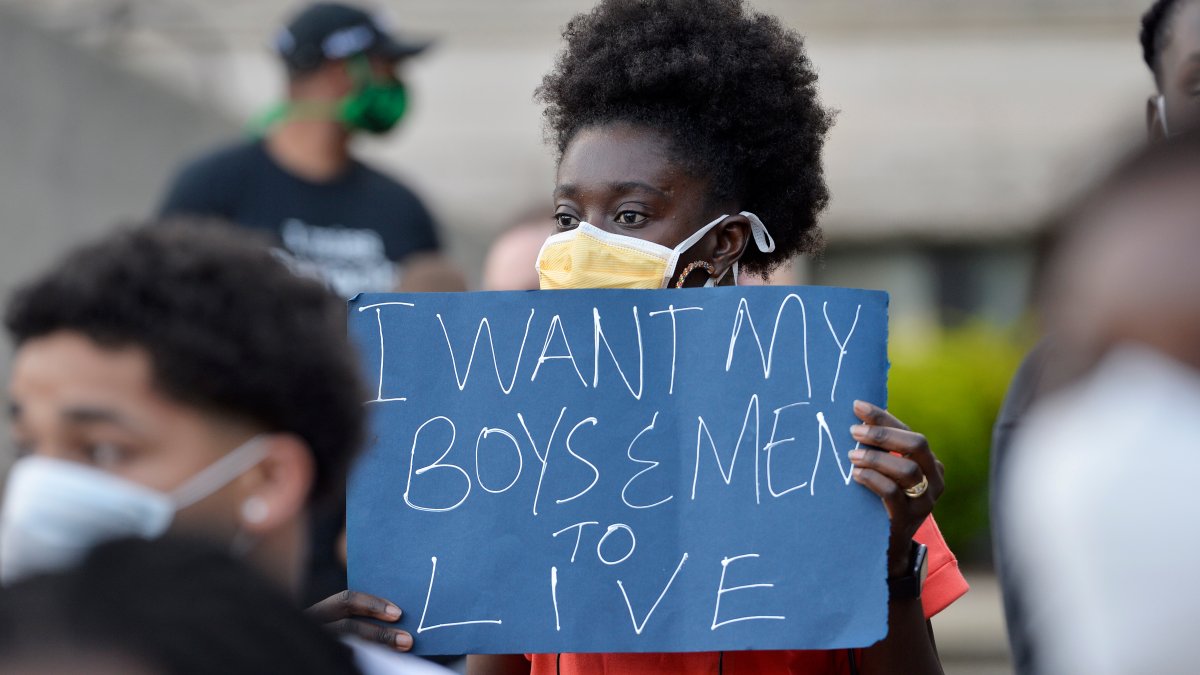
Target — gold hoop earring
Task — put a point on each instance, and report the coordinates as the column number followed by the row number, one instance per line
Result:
column 692, row 267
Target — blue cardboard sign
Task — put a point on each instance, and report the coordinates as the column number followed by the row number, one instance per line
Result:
column 621, row 471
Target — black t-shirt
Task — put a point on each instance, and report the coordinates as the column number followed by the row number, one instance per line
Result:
column 351, row 231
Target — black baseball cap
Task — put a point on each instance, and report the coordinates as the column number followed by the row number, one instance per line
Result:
column 328, row 31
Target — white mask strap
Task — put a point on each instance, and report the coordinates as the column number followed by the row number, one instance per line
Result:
column 762, row 238
column 219, row 474
column 698, row 235
column 684, row 246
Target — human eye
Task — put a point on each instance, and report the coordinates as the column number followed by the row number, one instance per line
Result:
column 630, row 218
column 105, row 455
column 566, row 221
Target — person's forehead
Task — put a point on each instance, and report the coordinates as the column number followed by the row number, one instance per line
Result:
column 619, row 153
column 65, row 377
column 69, row 367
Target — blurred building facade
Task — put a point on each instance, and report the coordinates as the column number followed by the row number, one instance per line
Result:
column 961, row 123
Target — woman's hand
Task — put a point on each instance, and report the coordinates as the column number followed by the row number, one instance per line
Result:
column 338, row 612
column 898, row 459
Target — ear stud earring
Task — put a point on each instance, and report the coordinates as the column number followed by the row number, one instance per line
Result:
column 255, row 510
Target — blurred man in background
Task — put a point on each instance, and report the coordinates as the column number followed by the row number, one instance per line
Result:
column 1170, row 40
column 1171, row 49
column 1099, row 510
column 334, row 216
column 182, row 379
column 510, row 264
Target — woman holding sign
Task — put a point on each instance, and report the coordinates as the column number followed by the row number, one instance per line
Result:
column 690, row 139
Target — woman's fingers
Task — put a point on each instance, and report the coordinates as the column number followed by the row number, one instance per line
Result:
column 876, row 416
column 888, row 490
column 904, row 472
column 391, row 637
column 889, row 477
column 909, row 444
column 883, row 430
column 338, row 612
column 898, row 460
column 349, row 604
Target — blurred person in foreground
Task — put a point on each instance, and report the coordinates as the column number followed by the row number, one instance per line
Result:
column 165, row 607
column 173, row 378
column 689, row 137
column 1170, row 42
column 1099, row 511
column 334, row 216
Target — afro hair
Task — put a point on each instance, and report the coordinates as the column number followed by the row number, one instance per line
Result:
column 733, row 89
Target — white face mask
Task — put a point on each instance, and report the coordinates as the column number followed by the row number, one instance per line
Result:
column 589, row 257
column 56, row 510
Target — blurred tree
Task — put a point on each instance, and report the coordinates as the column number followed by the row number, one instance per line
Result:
column 951, row 389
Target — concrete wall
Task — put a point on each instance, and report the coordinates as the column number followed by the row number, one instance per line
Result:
column 83, row 144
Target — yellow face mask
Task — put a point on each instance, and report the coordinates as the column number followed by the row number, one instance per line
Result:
column 588, row 257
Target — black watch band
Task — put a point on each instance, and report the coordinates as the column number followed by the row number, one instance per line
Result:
column 908, row 587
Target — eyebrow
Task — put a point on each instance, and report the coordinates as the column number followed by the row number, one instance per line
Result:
column 571, row 190
column 90, row 415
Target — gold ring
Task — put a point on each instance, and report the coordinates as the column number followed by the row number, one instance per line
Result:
column 918, row 489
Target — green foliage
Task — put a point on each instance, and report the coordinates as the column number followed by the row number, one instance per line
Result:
column 951, row 390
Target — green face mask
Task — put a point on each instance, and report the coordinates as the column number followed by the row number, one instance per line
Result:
column 377, row 105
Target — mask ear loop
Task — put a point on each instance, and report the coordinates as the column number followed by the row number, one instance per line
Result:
column 218, row 474
column 762, row 239
column 687, row 244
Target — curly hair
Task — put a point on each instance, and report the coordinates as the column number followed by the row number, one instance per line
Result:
column 228, row 329
column 734, row 91
column 1156, row 32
